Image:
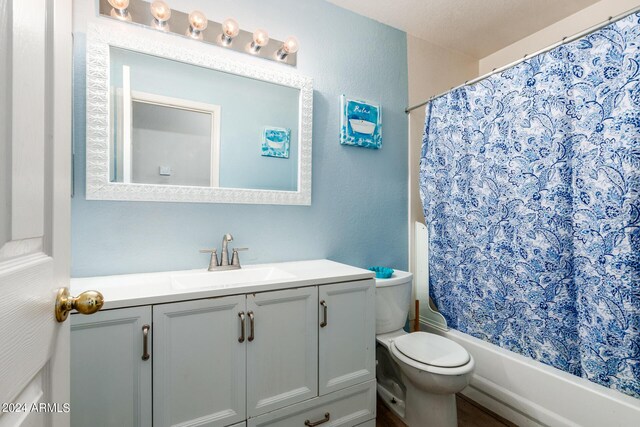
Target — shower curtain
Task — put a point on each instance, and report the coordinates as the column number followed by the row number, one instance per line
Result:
column 530, row 182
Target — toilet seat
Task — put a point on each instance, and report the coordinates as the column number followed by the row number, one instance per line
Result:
column 432, row 350
column 402, row 358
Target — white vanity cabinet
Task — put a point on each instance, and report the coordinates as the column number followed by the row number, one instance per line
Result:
column 282, row 349
column 110, row 373
column 347, row 336
column 199, row 373
column 287, row 356
column 212, row 354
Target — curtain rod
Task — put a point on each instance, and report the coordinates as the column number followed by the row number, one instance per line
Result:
column 527, row 56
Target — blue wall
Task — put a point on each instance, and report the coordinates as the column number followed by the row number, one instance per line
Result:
column 359, row 204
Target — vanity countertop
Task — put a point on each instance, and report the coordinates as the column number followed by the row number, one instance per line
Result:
column 129, row 290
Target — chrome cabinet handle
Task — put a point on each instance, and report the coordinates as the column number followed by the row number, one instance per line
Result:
column 327, row 417
column 241, row 315
column 145, row 342
column 324, row 314
column 251, row 327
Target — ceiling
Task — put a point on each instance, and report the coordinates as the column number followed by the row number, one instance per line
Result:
column 474, row 27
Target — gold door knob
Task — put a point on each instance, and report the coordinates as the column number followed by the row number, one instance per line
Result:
column 87, row 302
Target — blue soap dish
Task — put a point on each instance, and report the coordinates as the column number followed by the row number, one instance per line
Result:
column 382, row 272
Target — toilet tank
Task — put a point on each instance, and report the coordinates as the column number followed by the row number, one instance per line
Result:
column 393, row 299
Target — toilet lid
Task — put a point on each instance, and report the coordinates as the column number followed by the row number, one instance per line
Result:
column 432, row 349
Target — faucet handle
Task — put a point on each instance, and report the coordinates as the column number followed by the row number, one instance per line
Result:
column 213, row 262
column 235, row 259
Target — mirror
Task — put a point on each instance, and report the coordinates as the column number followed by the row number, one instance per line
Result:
column 183, row 124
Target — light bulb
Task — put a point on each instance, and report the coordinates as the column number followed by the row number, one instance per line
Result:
column 160, row 11
column 197, row 24
column 260, row 39
column 289, row 46
column 119, row 4
column 119, row 10
column 230, row 27
column 198, row 20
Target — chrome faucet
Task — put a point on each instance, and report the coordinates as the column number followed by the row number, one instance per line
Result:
column 223, row 264
column 224, row 256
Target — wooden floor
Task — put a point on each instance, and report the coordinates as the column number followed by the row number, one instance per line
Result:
column 470, row 414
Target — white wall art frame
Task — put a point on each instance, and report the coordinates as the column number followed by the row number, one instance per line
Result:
column 100, row 38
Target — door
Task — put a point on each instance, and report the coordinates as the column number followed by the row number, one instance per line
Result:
column 199, row 370
column 35, row 154
column 111, row 376
column 347, row 334
column 282, row 348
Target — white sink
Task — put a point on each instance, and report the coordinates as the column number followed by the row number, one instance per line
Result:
column 228, row 278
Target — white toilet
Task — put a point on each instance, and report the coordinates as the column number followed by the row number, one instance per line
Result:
column 418, row 373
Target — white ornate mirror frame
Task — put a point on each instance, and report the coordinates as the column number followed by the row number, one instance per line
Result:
column 100, row 37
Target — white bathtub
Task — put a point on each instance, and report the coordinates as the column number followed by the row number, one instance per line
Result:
column 530, row 393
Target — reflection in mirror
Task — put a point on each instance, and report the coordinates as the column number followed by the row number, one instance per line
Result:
column 174, row 146
column 175, row 123
column 176, row 142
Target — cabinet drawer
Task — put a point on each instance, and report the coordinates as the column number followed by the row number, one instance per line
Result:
column 348, row 407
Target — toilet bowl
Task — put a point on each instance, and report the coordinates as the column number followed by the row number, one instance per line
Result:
column 418, row 373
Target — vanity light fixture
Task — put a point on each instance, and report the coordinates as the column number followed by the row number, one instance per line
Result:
column 230, row 30
column 197, row 24
column 119, row 9
column 260, row 39
column 289, row 46
column 161, row 13
column 157, row 14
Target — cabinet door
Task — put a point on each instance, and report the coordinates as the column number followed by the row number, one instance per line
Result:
column 347, row 334
column 199, row 364
column 110, row 381
column 282, row 359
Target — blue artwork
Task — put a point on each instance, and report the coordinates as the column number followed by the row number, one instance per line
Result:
column 361, row 124
column 275, row 142
column 530, row 182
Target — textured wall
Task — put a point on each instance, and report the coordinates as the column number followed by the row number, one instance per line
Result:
column 359, row 208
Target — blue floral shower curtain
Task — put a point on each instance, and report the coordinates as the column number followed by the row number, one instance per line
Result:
column 530, row 181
